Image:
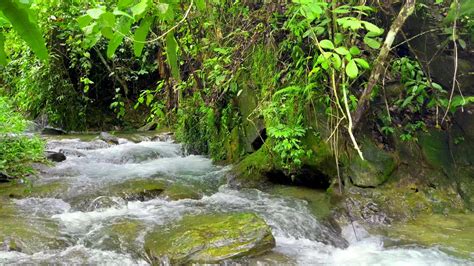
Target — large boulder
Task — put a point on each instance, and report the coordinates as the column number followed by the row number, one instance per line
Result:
column 210, row 239
column 375, row 169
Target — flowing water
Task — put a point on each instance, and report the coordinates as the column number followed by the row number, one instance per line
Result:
column 78, row 224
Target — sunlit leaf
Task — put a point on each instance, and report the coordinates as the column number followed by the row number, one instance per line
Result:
column 326, row 44
column 172, row 54
column 352, row 70
column 140, row 35
column 26, row 29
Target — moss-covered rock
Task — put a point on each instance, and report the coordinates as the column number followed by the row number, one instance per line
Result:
column 322, row 158
column 17, row 233
column 123, row 234
column 375, row 169
column 251, row 171
column 210, row 239
column 318, row 201
column 137, row 189
column 178, row 191
column 23, row 190
column 453, row 233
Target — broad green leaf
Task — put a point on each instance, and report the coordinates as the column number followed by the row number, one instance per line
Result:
column 373, row 28
column 140, row 9
column 352, row 70
column 172, row 54
column 95, row 13
column 3, row 55
column 338, row 38
column 107, row 32
column 140, row 35
column 26, row 29
column 350, row 22
column 354, row 50
column 341, row 50
column 121, row 13
column 326, row 44
column 107, row 19
column 372, row 43
column 337, row 62
column 124, row 3
column 123, row 29
column 84, row 21
column 362, row 63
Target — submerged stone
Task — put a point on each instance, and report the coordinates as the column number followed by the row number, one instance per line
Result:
column 137, row 189
column 109, row 138
column 178, row 191
column 18, row 233
column 453, row 233
column 22, row 190
column 210, row 239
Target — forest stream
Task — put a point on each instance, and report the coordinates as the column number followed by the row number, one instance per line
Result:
column 82, row 217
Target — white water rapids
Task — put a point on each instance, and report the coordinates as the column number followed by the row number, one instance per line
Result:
column 84, row 229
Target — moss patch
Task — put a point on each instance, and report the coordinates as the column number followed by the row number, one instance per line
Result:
column 178, row 191
column 318, row 201
column 251, row 171
column 375, row 169
column 453, row 233
column 138, row 189
column 210, row 239
column 21, row 233
column 19, row 191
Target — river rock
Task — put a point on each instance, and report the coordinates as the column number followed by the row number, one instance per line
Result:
column 55, row 156
column 109, row 138
column 53, row 131
column 70, row 152
column 138, row 189
column 178, row 191
column 4, row 178
column 210, row 239
column 375, row 169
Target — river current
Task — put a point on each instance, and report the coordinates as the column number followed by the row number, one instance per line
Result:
column 77, row 222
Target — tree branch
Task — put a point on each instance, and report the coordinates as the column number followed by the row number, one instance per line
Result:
column 364, row 100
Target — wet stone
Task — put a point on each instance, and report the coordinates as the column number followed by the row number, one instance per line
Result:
column 210, row 239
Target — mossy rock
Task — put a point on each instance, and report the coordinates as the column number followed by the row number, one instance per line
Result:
column 453, row 233
column 210, row 239
column 322, row 158
column 435, row 148
column 178, row 191
column 251, row 171
column 318, row 200
column 375, row 169
column 17, row 233
column 22, row 190
column 233, row 146
column 123, row 234
column 138, row 189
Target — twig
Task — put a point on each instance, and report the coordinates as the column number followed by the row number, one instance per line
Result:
column 455, row 63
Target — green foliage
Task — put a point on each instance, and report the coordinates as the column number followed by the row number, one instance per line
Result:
column 284, row 116
column 19, row 16
column 16, row 151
